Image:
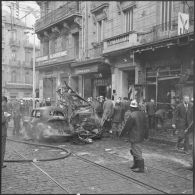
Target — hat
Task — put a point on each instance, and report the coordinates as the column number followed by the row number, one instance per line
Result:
column 134, row 104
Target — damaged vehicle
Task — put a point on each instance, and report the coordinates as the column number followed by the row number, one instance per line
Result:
column 74, row 119
column 47, row 123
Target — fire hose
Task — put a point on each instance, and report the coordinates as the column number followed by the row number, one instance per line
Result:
column 68, row 153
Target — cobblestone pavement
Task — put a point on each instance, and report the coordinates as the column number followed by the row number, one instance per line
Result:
column 165, row 169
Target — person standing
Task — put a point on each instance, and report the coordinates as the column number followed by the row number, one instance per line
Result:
column 108, row 109
column 4, row 126
column 151, row 109
column 16, row 118
column 136, row 126
column 182, row 118
column 117, row 118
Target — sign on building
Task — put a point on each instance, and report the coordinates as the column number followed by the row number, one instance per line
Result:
column 183, row 23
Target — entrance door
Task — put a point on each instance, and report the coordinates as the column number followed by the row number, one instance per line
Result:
column 102, row 91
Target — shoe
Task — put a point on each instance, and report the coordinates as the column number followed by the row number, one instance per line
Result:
column 134, row 164
column 140, row 166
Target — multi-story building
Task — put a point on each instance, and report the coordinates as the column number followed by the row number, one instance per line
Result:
column 17, row 53
column 135, row 49
column 149, row 53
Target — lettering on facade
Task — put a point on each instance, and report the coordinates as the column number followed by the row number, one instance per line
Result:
column 39, row 59
column 59, row 54
column 102, row 82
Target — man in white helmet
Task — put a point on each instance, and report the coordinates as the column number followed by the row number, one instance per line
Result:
column 137, row 128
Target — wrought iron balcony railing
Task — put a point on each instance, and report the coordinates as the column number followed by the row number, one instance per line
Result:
column 164, row 31
column 55, row 16
column 96, row 5
column 14, row 42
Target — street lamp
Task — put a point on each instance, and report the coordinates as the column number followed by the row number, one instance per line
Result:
column 34, row 76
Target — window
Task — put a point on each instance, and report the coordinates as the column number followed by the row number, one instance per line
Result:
column 3, row 33
column 3, row 57
column 76, row 44
column 167, row 7
column 128, row 14
column 13, row 76
column 13, row 55
column 27, row 56
column 13, row 34
column 46, row 7
column 100, row 30
column 27, row 78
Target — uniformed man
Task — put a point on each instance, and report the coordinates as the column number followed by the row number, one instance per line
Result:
column 136, row 126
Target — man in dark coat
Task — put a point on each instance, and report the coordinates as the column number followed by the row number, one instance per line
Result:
column 4, row 125
column 136, row 126
column 117, row 118
column 182, row 118
column 151, row 109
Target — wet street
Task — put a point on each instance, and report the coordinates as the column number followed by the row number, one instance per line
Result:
column 100, row 167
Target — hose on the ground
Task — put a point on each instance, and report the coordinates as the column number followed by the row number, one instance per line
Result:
column 68, row 153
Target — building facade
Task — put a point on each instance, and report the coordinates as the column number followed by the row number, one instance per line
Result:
column 119, row 49
column 17, row 53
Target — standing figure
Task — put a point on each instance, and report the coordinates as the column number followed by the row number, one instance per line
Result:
column 108, row 109
column 136, row 126
column 182, row 118
column 117, row 118
column 16, row 119
column 151, row 109
column 4, row 125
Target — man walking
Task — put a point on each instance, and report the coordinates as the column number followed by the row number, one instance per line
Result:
column 136, row 126
column 182, row 118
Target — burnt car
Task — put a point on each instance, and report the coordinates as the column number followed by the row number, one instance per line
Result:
column 47, row 123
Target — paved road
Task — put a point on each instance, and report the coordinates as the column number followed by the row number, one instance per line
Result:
column 165, row 170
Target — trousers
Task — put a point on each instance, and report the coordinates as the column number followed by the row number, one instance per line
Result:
column 136, row 151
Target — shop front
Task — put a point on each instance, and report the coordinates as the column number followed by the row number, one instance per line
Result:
column 95, row 80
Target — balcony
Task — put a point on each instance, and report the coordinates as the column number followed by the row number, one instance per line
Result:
column 98, row 5
column 65, row 12
column 14, row 42
column 27, row 44
column 56, row 58
column 96, row 51
column 10, row 85
column 15, row 63
column 121, row 41
column 164, row 31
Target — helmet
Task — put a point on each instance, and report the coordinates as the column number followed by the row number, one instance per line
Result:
column 134, row 104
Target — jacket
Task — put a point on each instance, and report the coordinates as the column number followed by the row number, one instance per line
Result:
column 136, row 126
column 118, row 113
column 181, row 117
column 150, row 108
column 108, row 109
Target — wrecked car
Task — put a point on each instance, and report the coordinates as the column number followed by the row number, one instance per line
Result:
column 73, row 119
column 47, row 123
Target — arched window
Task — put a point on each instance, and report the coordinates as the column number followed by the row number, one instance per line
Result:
column 13, row 76
column 27, row 78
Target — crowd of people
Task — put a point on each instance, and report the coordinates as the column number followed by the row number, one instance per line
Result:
column 119, row 118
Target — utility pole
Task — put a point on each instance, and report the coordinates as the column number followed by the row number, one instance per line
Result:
column 34, row 78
